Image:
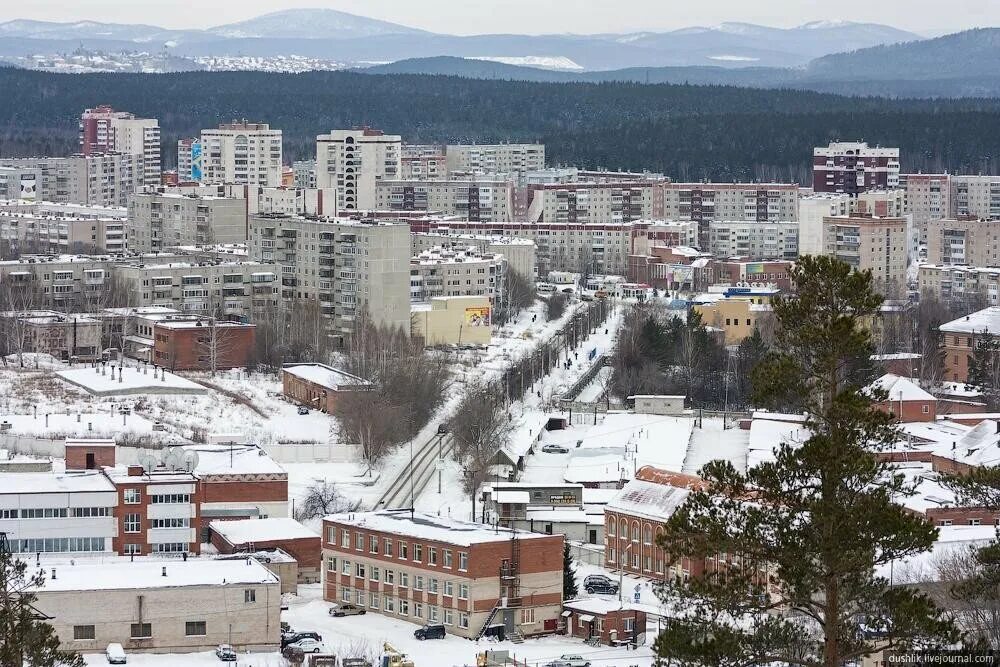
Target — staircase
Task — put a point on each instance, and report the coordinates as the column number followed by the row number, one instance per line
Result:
column 489, row 621
column 515, row 636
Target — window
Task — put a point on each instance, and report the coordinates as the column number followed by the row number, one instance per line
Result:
column 250, row 595
column 463, row 561
column 331, row 564
column 359, row 570
column 170, row 523
column 404, row 607
column 463, row 591
column 131, row 523
column 647, row 534
column 345, row 539
column 375, row 572
column 402, row 548
column 432, row 614
column 132, row 496
column 390, row 577
column 345, row 567
column 449, row 588
column 194, row 629
column 404, row 579
column 84, row 632
column 463, row 620
column 418, row 582
column 141, row 631
column 170, row 499
column 975, row 522
column 133, row 549
column 611, row 527
column 359, row 541
column 418, row 610
column 345, row 594
column 629, row 624
column 432, row 585
column 635, row 561
column 389, row 604
column 373, row 600
column 925, row 409
column 387, row 547
column 418, row 552
column 373, row 544
column 449, row 618
column 447, row 558
column 527, row 615
column 432, row 556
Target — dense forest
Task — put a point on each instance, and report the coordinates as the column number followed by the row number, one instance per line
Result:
column 688, row 132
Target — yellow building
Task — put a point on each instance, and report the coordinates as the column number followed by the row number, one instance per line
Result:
column 453, row 320
column 736, row 317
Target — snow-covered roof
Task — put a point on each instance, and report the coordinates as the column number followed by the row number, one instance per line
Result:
column 598, row 606
column 649, row 499
column 900, row 388
column 142, row 574
column 429, row 527
column 325, row 376
column 261, row 530
column 512, row 497
column 91, row 481
column 982, row 321
column 565, row 515
column 233, row 459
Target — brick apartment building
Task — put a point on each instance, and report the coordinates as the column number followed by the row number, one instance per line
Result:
column 158, row 511
column 430, row 569
column 854, row 167
column 962, row 336
column 202, row 344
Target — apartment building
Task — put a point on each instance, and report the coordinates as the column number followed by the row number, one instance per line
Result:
column 737, row 271
column 189, row 160
column 99, row 179
column 967, row 241
column 962, row 336
column 159, row 221
column 671, row 268
column 160, row 606
column 158, row 511
column 242, row 153
column 704, row 202
column 423, row 167
column 19, row 183
column 754, row 240
column 976, row 196
column 813, row 209
column 591, row 203
column 457, row 271
column 852, row 167
column 479, row 199
column 430, row 569
column 959, row 284
column 62, row 229
column 519, row 253
column 305, row 173
column 928, row 197
column 880, row 203
column 353, row 162
column 495, row 158
column 104, row 130
column 346, row 265
column 233, row 288
column 879, row 244
column 64, row 336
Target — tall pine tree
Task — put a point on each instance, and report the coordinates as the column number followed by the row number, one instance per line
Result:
column 569, row 575
column 25, row 638
column 806, row 532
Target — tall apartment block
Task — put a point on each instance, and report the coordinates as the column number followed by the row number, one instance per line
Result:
column 960, row 283
column 477, row 199
column 977, row 196
column 591, row 203
column 159, row 221
column 879, row 244
column 754, row 240
column 20, row 183
column 189, row 160
column 99, row 179
column 242, row 153
column 853, row 167
column 495, row 158
column 965, row 241
column 305, row 173
column 104, row 130
column 813, row 209
column 457, row 271
column 354, row 161
column 41, row 227
column 345, row 265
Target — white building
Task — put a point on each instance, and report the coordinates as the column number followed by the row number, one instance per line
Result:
column 104, row 130
column 459, row 271
column 495, row 158
column 159, row 221
column 977, row 196
column 98, row 179
column 354, row 161
column 242, row 152
column 812, row 209
column 754, row 240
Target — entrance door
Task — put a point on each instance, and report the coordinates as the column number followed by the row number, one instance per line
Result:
column 508, row 621
column 593, row 536
column 91, row 463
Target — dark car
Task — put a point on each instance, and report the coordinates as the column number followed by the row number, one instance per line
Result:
column 292, row 637
column 303, row 410
column 443, row 428
column 598, row 583
column 435, row 631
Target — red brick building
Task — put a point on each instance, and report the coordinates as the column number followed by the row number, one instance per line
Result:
column 89, row 453
column 158, row 511
column 672, row 268
column 906, row 400
column 318, row 386
column 430, row 569
column 609, row 621
column 208, row 344
column 738, row 271
column 249, row 535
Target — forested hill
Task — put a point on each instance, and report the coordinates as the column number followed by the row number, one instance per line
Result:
column 689, row 132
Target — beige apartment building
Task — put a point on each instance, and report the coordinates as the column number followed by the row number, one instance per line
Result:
column 519, row 253
column 928, row 197
column 591, row 203
column 352, row 162
column 879, row 244
column 976, row 196
column 345, row 265
column 495, row 158
column 880, row 203
column 965, row 241
column 479, row 199
column 63, row 282
column 457, row 271
column 960, row 283
column 159, row 606
column 62, row 229
column 755, row 240
column 703, row 202
column 243, row 153
column 99, row 179
column 160, row 221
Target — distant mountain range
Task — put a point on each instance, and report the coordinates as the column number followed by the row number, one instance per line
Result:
column 339, row 36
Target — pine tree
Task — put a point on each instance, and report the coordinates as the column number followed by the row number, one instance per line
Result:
column 804, row 534
column 25, row 639
column 570, row 590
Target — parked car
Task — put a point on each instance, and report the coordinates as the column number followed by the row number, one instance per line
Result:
column 115, row 654
column 307, row 645
column 292, row 637
column 225, row 653
column 557, row 663
column 303, row 410
column 435, row 631
column 555, row 449
column 346, row 609
column 574, row 660
column 598, row 583
column 443, row 428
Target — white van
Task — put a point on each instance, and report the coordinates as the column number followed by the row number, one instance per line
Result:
column 115, row 654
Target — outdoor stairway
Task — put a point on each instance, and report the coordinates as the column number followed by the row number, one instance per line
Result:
column 489, row 620
column 515, row 636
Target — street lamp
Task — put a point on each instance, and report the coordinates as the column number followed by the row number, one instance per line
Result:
column 621, row 569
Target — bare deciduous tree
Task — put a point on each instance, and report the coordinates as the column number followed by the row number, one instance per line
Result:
column 16, row 298
column 372, row 421
column 324, row 498
column 480, row 428
column 555, row 306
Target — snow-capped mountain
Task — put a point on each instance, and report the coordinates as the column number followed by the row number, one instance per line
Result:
column 311, row 24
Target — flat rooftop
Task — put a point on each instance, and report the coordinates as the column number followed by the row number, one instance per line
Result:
column 90, row 481
column 142, row 574
column 429, row 527
column 261, row 530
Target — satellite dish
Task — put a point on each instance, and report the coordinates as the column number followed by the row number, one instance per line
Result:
column 172, row 458
column 189, row 460
column 147, row 461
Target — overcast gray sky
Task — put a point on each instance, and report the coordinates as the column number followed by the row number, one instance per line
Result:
column 537, row 16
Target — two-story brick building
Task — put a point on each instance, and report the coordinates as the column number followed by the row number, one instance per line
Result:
column 431, row 569
column 961, row 337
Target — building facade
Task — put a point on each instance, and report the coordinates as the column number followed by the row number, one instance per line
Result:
column 959, row 284
column 189, row 160
column 964, row 241
column 353, row 162
column 975, row 196
column 318, row 386
column 754, row 240
column 486, row 199
column 853, row 167
column 99, row 179
column 203, row 344
column 495, row 158
column 519, row 253
column 458, row 272
column 591, row 203
column 160, row 221
column 243, row 153
column 62, row 229
column 104, row 130
column 879, row 244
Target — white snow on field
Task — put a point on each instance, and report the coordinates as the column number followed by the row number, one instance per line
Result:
column 83, row 424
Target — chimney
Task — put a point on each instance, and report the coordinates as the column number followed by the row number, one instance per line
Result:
column 135, row 471
column 164, row 571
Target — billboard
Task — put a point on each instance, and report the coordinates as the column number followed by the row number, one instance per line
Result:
column 196, row 161
column 29, row 186
column 478, row 316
